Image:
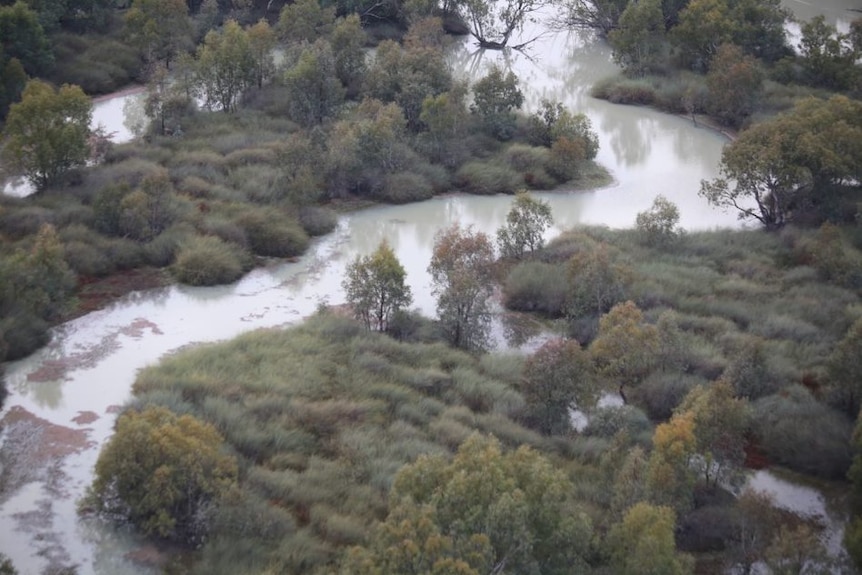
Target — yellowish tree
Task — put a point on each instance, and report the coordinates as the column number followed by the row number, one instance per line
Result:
column 643, row 544
column 375, row 287
column 626, row 348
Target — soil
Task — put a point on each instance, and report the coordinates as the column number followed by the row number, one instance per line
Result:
column 98, row 293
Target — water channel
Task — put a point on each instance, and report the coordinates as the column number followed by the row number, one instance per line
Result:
column 63, row 398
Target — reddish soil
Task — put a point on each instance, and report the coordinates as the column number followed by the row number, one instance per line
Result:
column 97, row 293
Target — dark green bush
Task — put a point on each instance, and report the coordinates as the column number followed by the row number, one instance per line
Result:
column 536, row 286
column 487, row 178
column 404, row 187
column 798, row 431
column 207, row 261
column 273, row 234
column 317, row 221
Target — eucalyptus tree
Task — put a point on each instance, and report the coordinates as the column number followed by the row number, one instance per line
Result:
column 375, row 288
column 226, row 66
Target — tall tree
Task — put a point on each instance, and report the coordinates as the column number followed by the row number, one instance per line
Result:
column 557, row 378
column 261, row 41
column 670, row 479
column 493, row 23
column 517, row 500
column 643, row 544
column 375, row 288
column 46, row 132
column 526, row 223
column 162, row 472
column 626, row 347
column 828, row 57
column 13, row 78
column 639, row 41
column 734, row 84
column 721, row 422
column 461, row 271
column 160, row 28
column 313, row 87
column 845, row 372
column 602, row 15
column 225, row 66
column 22, row 38
column 496, row 97
column 597, row 281
column 305, row 21
column 658, row 225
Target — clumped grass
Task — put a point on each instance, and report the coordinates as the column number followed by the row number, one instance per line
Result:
column 208, row 260
column 486, row 178
column 273, row 233
column 404, row 187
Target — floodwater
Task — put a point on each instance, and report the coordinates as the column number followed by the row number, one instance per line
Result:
column 63, row 399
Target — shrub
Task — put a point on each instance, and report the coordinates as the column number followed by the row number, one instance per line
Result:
column 273, row 234
column 207, row 261
column 658, row 225
column 803, row 434
column 536, row 286
column 161, row 472
column 317, row 221
column 660, row 393
column 404, row 187
column 478, row 177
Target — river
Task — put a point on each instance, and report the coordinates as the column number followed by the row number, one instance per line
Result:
column 63, row 398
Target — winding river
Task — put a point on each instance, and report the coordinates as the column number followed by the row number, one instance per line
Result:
column 63, row 398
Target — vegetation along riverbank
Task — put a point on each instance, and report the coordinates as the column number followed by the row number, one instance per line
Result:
column 392, row 442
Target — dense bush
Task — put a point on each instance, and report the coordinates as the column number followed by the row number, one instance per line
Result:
column 487, row 178
column 208, row 261
column 273, row 233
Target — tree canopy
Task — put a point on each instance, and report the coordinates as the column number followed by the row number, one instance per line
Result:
column 375, row 288
column 47, row 132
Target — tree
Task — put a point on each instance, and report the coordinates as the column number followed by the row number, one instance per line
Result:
column 518, row 500
column 552, row 121
column 670, row 479
column 602, row 15
column 23, row 39
column 411, row 542
column 828, row 57
column 461, row 271
column 163, row 472
column 844, row 368
column 305, row 21
column 493, row 23
column 160, row 28
column 348, row 45
column 314, row 91
column 375, row 287
column 797, row 551
column 226, row 67
column 629, row 481
column 658, row 226
column 757, row 522
column 13, row 78
column 721, row 422
column 557, row 378
column 494, row 98
column 776, row 164
column 626, row 347
column 643, row 544
column 261, row 42
column 46, row 132
column 166, row 102
column 526, row 223
column 596, row 281
column 704, row 25
column 735, row 83
column 638, row 42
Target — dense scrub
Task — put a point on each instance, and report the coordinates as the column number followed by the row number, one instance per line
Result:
column 755, row 310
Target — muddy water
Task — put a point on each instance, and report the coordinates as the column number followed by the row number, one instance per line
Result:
column 64, row 398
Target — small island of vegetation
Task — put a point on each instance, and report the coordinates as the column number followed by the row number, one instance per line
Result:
column 388, row 442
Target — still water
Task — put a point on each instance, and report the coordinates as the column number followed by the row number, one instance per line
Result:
column 64, row 397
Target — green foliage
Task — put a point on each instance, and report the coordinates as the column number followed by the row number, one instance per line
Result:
column 46, row 132
column 721, row 422
column 533, row 286
column 643, row 543
column 626, row 347
column 487, row 178
column 526, row 223
column 226, row 66
column 495, row 97
column 6, row 566
column 803, row 434
column 558, row 377
column 658, row 226
column 313, row 86
column 461, row 271
column 670, row 478
column 24, row 40
column 305, row 21
column 844, row 367
column 518, row 501
column 375, row 289
column 492, row 24
column 163, row 472
column 828, row 57
column 735, row 84
column 596, row 280
column 273, row 233
column 777, row 163
column 161, row 29
column 638, row 42
column 208, row 261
